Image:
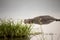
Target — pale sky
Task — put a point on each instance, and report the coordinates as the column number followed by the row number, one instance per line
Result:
column 21, row 9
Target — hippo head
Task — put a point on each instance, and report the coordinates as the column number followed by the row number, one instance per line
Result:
column 29, row 21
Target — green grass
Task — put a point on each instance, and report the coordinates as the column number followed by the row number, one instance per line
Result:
column 8, row 28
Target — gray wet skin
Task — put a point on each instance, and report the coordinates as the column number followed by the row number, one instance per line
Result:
column 41, row 20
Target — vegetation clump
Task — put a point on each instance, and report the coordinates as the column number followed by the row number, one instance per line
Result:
column 9, row 28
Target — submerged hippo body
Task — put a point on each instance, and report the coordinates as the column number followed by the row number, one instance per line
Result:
column 41, row 20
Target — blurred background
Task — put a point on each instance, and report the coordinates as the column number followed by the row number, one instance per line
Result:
column 24, row 9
